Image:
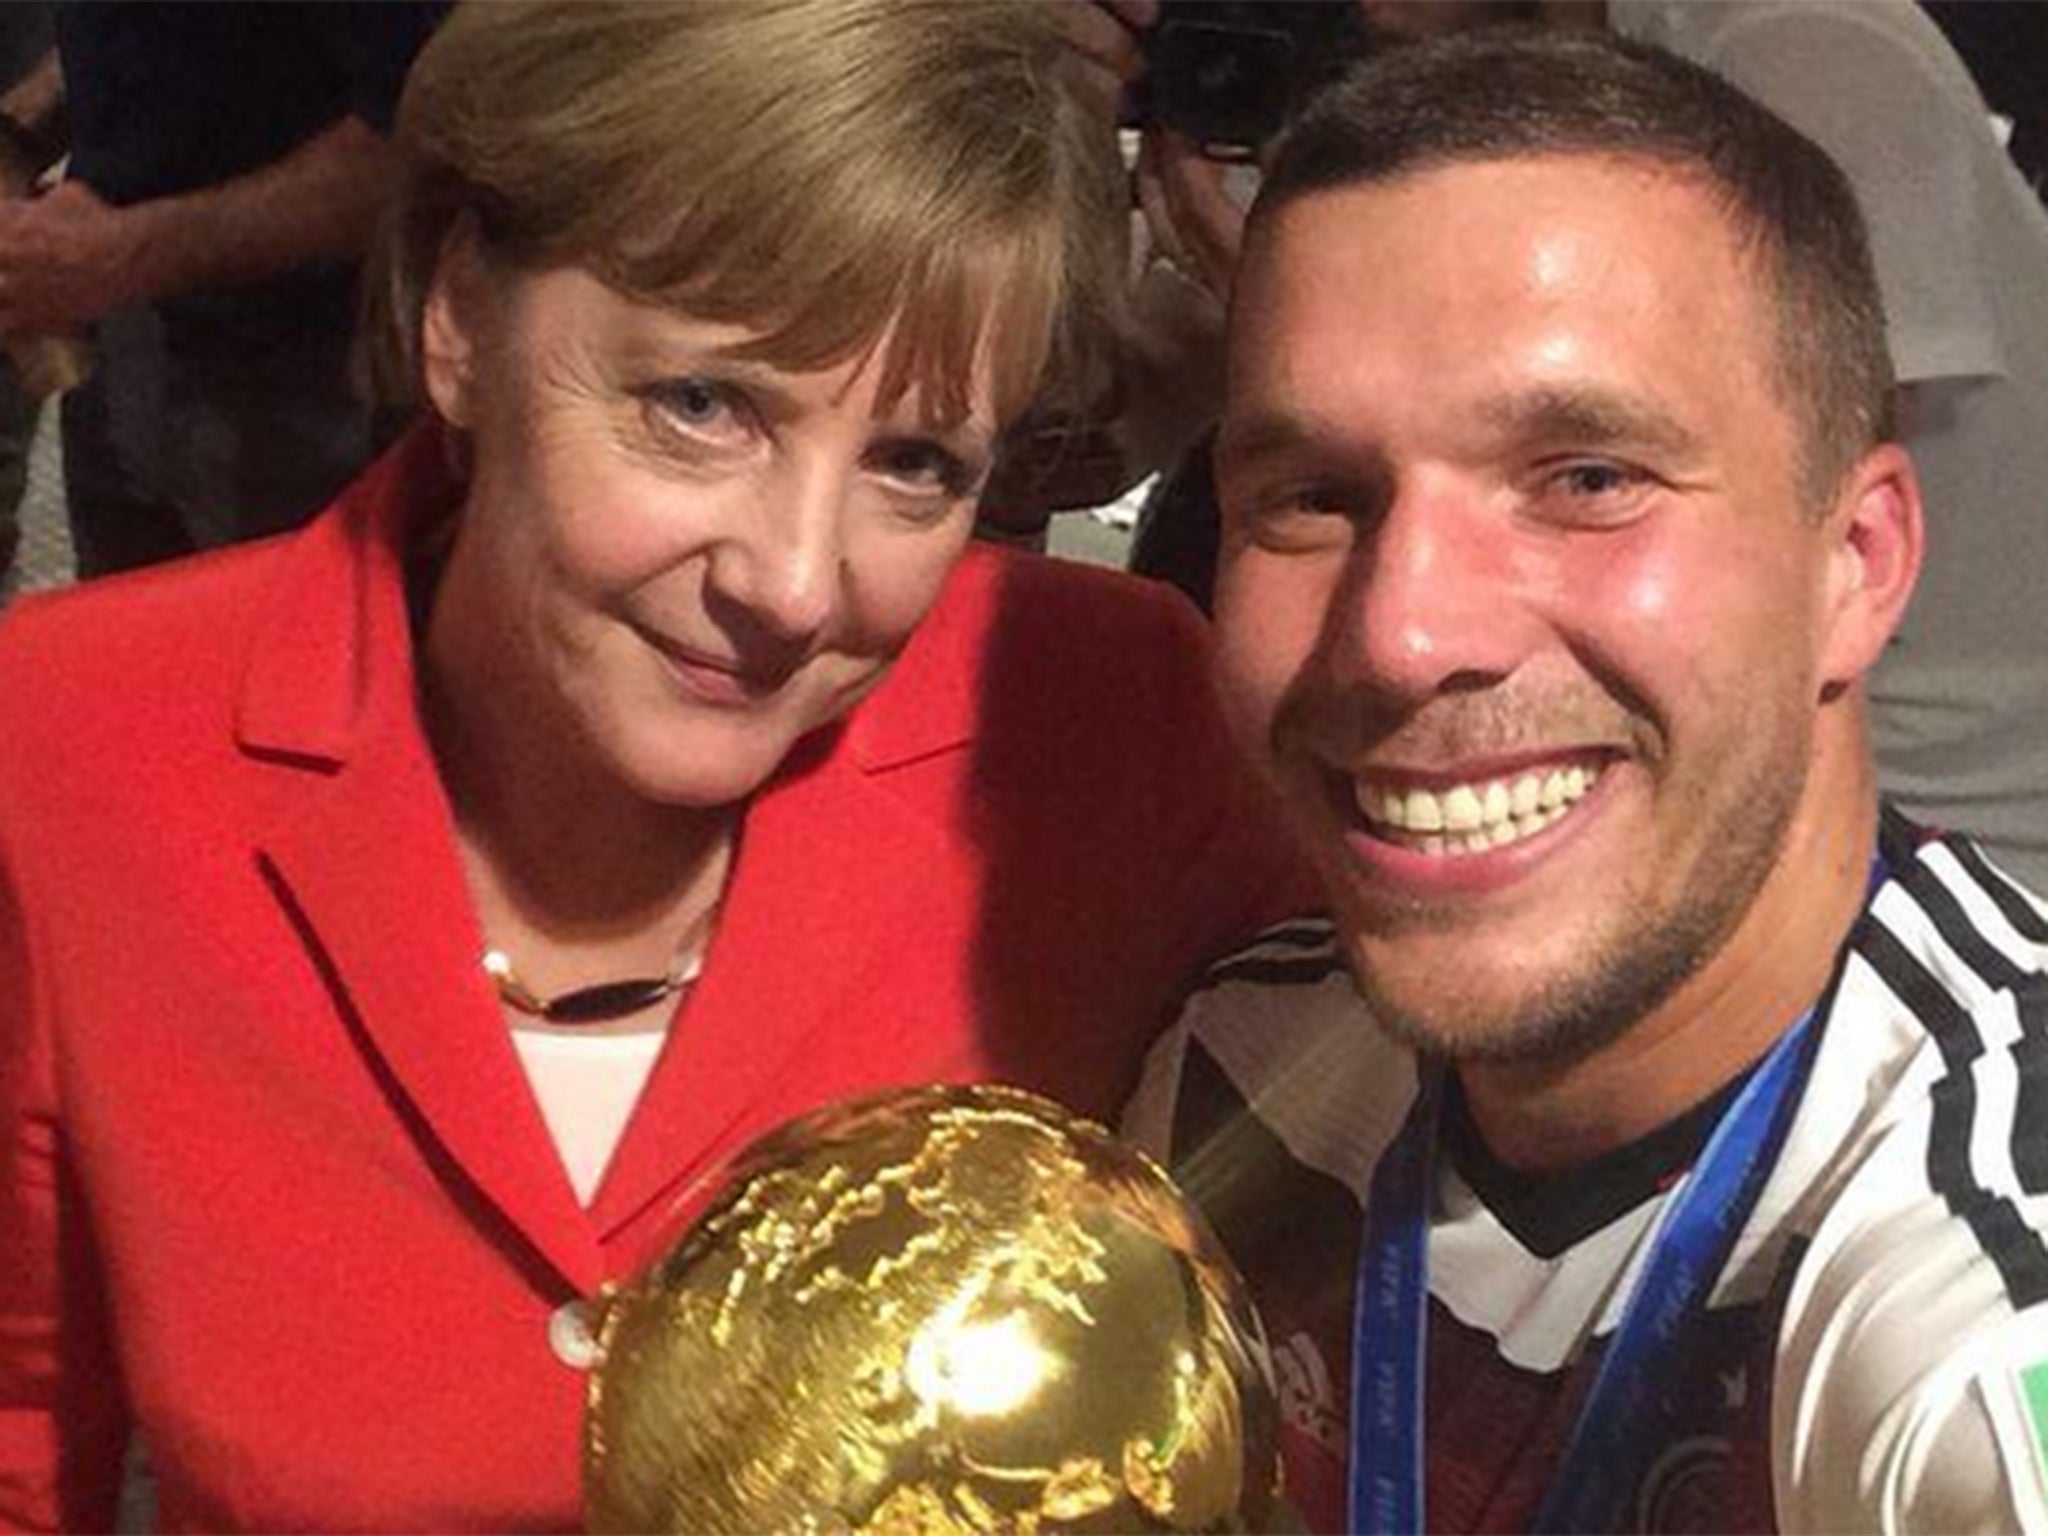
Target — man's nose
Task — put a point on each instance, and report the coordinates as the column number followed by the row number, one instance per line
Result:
column 1434, row 604
column 778, row 563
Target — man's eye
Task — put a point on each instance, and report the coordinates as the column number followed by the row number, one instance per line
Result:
column 1592, row 491
column 1310, row 499
column 1297, row 517
column 1594, row 479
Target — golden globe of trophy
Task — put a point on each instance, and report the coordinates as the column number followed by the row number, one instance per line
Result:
column 936, row 1310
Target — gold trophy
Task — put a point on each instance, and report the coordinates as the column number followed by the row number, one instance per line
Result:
column 938, row 1310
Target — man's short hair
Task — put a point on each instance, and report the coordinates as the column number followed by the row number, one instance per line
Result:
column 1509, row 92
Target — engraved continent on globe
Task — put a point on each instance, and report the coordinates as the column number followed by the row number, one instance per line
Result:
column 938, row 1310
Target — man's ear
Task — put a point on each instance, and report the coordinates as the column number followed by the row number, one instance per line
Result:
column 1877, row 542
column 452, row 324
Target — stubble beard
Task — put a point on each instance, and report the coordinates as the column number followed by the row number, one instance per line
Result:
column 1641, row 959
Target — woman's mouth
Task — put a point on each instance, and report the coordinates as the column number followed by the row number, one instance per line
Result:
column 713, row 678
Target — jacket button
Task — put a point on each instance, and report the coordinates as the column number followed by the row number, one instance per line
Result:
column 570, row 1335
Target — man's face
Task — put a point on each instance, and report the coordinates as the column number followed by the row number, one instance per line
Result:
column 1521, row 605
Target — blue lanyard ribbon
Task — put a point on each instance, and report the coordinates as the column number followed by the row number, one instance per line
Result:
column 1622, row 1420
column 1389, row 1326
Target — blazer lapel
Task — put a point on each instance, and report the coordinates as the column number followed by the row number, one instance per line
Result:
column 358, row 842
column 836, row 873
column 832, row 875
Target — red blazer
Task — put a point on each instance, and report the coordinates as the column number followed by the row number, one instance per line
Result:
column 277, row 1194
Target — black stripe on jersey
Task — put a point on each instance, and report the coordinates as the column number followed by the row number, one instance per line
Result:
column 1898, row 838
column 1302, row 933
column 1314, row 939
column 1270, row 1210
column 2030, row 1106
column 1315, row 935
column 2016, row 1249
column 1270, row 971
column 2026, row 920
column 1945, row 910
column 2029, row 990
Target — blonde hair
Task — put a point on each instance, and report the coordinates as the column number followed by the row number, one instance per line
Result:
column 826, row 172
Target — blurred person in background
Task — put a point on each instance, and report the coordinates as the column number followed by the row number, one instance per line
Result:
column 27, row 94
column 398, row 919
column 227, row 162
column 2006, row 49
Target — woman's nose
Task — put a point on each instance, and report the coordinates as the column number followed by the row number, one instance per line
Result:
column 779, row 561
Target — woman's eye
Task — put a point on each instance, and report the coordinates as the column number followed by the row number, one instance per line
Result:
column 925, row 467
column 701, row 406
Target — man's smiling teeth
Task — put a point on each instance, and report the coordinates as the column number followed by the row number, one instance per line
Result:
column 1470, row 818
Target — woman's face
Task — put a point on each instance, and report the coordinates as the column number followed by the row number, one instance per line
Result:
column 687, row 558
